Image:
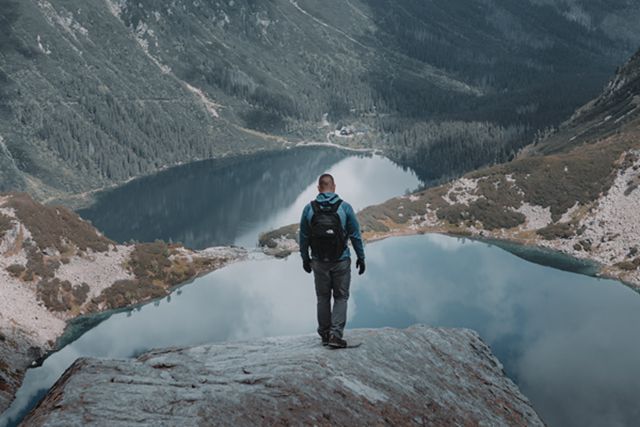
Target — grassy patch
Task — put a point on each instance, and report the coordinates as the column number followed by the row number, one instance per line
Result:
column 58, row 295
column 150, row 262
column 559, row 181
column 5, row 224
column 561, row 230
column 155, row 273
column 16, row 270
column 53, row 226
column 128, row 292
column 629, row 265
column 497, row 189
column 39, row 266
column 491, row 214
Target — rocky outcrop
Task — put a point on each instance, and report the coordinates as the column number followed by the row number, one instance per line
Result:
column 54, row 266
column 417, row 376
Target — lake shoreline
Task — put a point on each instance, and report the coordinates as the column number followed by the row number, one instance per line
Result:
column 86, row 199
column 286, row 245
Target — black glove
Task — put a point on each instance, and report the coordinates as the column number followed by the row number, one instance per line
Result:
column 306, row 265
column 360, row 266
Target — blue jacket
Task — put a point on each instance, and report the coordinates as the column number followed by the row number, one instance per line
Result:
column 347, row 218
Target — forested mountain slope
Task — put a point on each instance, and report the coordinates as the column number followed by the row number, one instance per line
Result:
column 96, row 92
column 576, row 191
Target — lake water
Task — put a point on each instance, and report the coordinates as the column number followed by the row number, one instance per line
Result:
column 225, row 202
column 571, row 342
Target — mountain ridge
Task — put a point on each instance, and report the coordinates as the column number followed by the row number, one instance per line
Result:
column 95, row 93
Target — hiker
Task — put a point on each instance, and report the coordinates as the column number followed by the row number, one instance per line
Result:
column 326, row 225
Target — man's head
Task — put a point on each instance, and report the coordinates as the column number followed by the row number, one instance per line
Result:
column 326, row 184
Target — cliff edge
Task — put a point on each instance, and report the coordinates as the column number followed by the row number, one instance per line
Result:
column 54, row 266
column 416, row 376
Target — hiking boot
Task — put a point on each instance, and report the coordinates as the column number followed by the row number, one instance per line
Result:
column 336, row 342
column 325, row 339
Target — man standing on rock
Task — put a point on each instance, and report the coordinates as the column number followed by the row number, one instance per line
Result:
column 326, row 225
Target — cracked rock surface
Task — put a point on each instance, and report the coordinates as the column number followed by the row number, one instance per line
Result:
column 415, row 376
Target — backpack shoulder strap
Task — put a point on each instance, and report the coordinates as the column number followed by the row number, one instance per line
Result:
column 315, row 206
column 336, row 206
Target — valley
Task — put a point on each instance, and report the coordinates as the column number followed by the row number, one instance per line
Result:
column 95, row 93
column 187, row 135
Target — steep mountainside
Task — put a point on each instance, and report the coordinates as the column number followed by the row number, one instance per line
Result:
column 95, row 92
column 54, row 266
column 577, row 191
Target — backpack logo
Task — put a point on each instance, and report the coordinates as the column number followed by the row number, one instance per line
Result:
column 328, row 239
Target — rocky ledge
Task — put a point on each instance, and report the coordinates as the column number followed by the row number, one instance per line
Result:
column 54, row 266
column 417, row 376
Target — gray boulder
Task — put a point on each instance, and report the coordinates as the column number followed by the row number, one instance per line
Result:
column 416, row 376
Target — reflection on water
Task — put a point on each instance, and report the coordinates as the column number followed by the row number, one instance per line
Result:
column 231, row 201
column 571, row 342
column 208, row 203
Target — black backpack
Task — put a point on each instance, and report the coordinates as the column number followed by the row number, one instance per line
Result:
column 328, row 239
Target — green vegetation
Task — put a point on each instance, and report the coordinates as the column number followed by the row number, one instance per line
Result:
column 39, row 266
column 561, row 230
column 56, row 227
column 444, row 86
column 155, row 274
column 16, row 270
column 125, row 293
column 631, row 265
column 491, row 214
column 60, row 295
column 5, row 224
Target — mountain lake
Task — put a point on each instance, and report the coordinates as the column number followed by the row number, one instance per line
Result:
column 568, row 339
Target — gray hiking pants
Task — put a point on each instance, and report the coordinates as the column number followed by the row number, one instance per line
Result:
column 332, row 277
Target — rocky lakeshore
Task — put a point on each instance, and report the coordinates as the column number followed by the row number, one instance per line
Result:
column 494, row 206
column 54, row 267
column 416, row 376
column 576, row 191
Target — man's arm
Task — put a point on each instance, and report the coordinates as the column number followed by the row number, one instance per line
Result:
column 303, row 234
column 353, row 232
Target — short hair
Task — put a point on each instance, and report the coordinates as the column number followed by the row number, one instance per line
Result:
column 325, row 181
